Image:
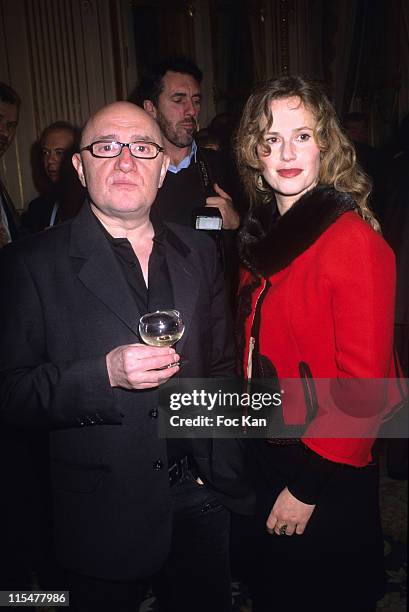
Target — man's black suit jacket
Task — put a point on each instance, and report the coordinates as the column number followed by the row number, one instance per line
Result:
column 69, row 305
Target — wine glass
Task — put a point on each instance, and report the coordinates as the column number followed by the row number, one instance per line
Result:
column 161, row 328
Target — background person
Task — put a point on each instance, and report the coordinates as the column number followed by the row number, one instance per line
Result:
column 9, row 115
column 61, row 192
column 395, row 227
column 317, row 299
column 17, row 474
column 171, row 94
column 373, row 161
column 196, row 177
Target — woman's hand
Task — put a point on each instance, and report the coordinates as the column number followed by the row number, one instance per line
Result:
column 289, row 511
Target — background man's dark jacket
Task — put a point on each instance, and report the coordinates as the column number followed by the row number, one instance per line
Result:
column 68, row 305
column 11, row 213
column 38, row 214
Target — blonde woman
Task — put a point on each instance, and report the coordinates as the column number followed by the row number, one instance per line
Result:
column 316, row 301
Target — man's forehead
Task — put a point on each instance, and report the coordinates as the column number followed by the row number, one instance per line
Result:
column 122, row 119
column 64, row 137
column 175, row 81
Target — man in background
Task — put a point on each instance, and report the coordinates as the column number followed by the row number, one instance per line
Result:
column 61, row 196
column 371, row 160
column 20, row 509
column 9, row 115
column 171, row 94
column 196, row 177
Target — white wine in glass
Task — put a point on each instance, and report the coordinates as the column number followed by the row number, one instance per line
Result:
column 161, row 328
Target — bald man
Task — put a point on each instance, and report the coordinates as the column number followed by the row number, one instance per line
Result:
column 127, row 505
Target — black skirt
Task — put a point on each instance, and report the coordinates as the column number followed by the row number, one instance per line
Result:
column 337, row 563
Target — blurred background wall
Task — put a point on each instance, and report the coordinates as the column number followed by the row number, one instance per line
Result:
column 66, row 58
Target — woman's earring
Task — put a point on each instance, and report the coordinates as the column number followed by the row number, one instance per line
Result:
column 259, row 182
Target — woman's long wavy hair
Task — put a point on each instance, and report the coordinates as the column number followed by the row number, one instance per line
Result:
column 338, row 167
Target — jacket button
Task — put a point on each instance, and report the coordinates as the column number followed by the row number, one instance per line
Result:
column 158, row 465
column 153, row 413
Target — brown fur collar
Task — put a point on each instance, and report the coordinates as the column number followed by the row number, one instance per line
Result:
column 293, row 233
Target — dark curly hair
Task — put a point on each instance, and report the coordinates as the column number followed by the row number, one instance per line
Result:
column 151, row 86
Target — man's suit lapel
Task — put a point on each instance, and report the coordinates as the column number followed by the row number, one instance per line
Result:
column 99, row 270
column 185, row 283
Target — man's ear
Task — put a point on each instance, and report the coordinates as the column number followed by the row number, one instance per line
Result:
column 150, row 108
column 164, row 169
column 77, row 163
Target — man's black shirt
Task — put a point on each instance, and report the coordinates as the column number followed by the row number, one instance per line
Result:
column 158, row 295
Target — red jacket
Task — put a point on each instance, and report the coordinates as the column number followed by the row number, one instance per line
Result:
column 330, row 306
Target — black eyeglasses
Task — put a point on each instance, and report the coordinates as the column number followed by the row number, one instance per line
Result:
column 111, row 148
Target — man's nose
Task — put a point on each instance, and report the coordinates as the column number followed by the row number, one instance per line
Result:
column 288, row 150
column 125, row 161
column 191, row 110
